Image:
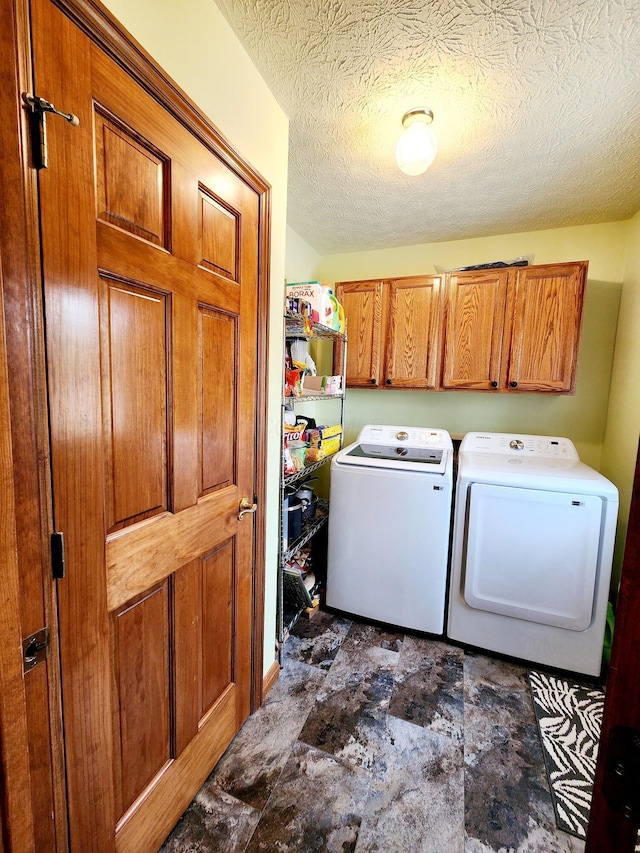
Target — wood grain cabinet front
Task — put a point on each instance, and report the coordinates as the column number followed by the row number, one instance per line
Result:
column 475, row 315
column 547, row 304
column 507, row 330
column 514, row 329
column 394, row 331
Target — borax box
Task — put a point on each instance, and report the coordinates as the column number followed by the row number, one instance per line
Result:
column 308, row 290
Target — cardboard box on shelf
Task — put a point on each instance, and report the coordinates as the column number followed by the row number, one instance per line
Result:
column 330, row 445
column 322, row 432
column 320, row 385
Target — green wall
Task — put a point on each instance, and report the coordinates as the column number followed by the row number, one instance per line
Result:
column 602, row 418
column 623, row 418
column 581, row 417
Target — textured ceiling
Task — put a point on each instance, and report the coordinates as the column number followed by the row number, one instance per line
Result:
column 537, row 113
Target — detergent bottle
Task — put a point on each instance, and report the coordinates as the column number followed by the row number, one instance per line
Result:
column 338, row 315
column 325, row 306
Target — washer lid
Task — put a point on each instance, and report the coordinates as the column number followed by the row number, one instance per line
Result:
column 408, row 448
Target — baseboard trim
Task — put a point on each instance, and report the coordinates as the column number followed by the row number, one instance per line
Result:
column 270, row 678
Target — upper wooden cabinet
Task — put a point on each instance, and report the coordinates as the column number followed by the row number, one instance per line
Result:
column 504, row 330
column 475, row 314
column 394, row 331
column 514, row 329
column 547, row 307
column 363, row 305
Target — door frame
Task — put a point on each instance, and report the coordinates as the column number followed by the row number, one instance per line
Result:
column 609, row 831
column 20, row 255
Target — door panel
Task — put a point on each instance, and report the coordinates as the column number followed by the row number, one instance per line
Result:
column 218, row 585
column 218, row 235
column 151, row 285
column 136, row 350
column 141, row 658
column 218, row 371
column 132, row 180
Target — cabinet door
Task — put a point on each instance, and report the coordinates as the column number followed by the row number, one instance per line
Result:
column 414, row 306
column 547, row 318
column 363, row 305
column 473, row 329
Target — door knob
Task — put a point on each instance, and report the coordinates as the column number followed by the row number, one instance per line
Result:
column 246, row 507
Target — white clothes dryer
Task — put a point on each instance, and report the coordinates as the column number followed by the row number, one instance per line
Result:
column 389, row 523
column 533, row 542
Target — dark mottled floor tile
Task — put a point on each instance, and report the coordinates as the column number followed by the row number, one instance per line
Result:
column 334, row 760
column 251, row 766
column 375, row 635
column 214, row 821
column 507, row 802
column 316, row 807
column 577, row 845
column 317, row 641
column 498, row 687
column 348, row 719
column 500, row 675
column 428, row 686
column 416, row 802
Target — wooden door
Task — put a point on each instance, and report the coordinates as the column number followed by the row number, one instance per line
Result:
column 609, row 831
column 150, row 248
column 42, row 792
column 475, row 314
column 413, row 343
column 547, row 318
column 364, row 308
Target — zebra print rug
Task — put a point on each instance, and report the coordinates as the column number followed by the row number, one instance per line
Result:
column 569, row 719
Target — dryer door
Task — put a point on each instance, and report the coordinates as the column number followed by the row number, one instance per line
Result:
column 533, row 554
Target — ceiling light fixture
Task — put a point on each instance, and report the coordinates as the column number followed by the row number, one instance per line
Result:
column 417, row 147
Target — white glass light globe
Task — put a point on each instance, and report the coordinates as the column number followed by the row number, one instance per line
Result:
column 416, row 148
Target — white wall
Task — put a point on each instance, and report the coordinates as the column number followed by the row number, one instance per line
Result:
column 302, row 261
column 195, row 46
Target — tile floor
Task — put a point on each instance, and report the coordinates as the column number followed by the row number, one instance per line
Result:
column 377, row 742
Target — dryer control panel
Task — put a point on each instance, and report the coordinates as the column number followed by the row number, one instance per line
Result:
column 536, row 446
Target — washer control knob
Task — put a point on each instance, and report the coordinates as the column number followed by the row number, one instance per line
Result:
column 402, row 435
column 516, row 444
column 401, row 451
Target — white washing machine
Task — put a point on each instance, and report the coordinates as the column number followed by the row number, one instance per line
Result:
column 389, row 523
column 533, row 541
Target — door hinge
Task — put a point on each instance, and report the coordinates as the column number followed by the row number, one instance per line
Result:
column 622, row 773
column 57, row 555
column 38, row 109
column 35, row 649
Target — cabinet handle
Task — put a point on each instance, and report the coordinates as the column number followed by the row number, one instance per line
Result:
column 389, row 381
column 494, row 384
column 513, row 384
column 373, row 381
